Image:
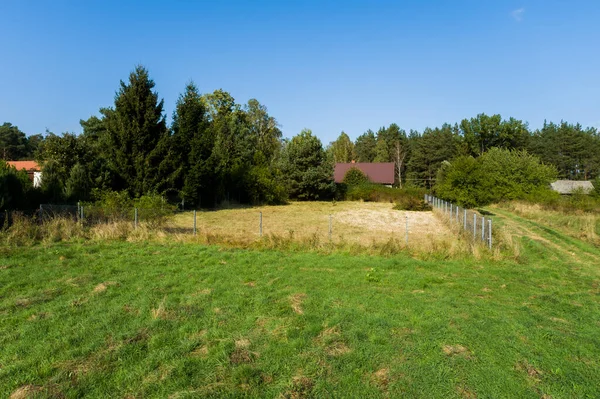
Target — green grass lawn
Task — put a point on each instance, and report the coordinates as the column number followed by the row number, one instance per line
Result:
column 182, row 320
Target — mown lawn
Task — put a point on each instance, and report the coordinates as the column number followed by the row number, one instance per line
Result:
column 182, row 320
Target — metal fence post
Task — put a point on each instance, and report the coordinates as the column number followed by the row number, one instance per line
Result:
column 450, row 213
column 483, row 229
column 135, row 217
column 81, row 215
column 474, row 225
column 465, row 219
column 260, row 224
column 194, row 222
column 457, row 218
column 490, row 233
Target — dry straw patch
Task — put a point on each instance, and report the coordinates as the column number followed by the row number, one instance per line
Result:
column 103, row 286
column 465, row 392
column 455, row 350
column 201, row 351
column 296, row 302
column 533, row 373
column 243, row 343
column 161, row 312
column 301, row 388
column 381, row 378
column 26, row 391
column 330, row 338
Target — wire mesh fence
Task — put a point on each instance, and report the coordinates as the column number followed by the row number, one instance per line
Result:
column 352, row 225
column 471, row 222
column 93, row 215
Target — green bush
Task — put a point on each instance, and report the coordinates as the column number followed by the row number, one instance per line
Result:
column 497, row 175
column 118, row 205
column 153, row 209
column 409, row 198
column 410, row 203
column 355, row 177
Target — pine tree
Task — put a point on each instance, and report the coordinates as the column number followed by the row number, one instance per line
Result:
column 365, row 147
column 134, row 129
column 191, row 147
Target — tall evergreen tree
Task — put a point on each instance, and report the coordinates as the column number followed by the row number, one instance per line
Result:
column 429, row 150
column 191, row 147
column 365, row 147
column 13, row 143
column 392, row 146
column 575, row 151
column 134, row 129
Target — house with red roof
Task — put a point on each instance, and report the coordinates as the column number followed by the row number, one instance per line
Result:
column 33, row 169
column 377, row 172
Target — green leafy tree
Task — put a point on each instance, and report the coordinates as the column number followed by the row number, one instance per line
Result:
column 307, row 169
column 14, row 186
column 484, row 132
column 52, row 182
column 497, row 175
column 64, row 151
column 342, row 149
column 365, row 147
column 78, row 185
column 135, row 132
column 94, row 139
column 264, row 128
column 233, row 149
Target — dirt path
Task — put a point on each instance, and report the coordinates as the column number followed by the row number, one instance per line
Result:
column 559, row 243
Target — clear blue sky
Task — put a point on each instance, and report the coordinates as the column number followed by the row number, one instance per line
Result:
column 328, row 66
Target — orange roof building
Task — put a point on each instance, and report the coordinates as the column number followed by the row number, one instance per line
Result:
column 29, row 166
column 33, row 169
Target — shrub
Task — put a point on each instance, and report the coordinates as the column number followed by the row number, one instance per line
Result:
column 354, row 177
column 497, row 175
column 409, row 203
column 405, row 198
column 153, row 209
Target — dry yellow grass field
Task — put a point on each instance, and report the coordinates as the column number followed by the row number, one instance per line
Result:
column 353, row 222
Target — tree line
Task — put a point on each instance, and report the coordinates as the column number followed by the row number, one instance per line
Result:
column 572, row 149
column 217, row 150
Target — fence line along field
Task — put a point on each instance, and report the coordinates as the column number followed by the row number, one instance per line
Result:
column 354, row 222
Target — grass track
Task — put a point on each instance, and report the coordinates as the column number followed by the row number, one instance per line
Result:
column 182, row 320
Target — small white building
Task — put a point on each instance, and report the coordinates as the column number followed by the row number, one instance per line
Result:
column 570, row 186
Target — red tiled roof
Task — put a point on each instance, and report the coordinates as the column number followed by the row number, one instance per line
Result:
column 377, row 172
column 27, row 165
